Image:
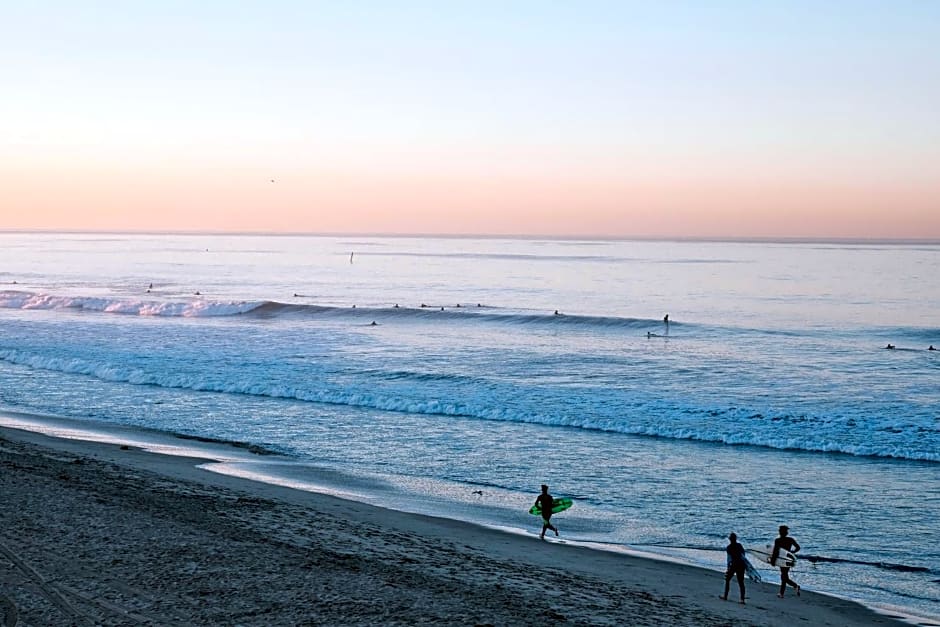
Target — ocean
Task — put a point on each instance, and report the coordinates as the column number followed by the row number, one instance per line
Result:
column 495, row 365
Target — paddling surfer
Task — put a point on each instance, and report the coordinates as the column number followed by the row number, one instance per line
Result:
column 545, row 502
column 737, row 565
column 785, row 543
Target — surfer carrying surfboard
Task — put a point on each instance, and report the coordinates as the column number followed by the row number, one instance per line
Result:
column 737, row 564
column 785, row 543
column 545, row 502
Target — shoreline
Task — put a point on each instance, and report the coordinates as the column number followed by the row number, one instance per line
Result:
column 122, row 535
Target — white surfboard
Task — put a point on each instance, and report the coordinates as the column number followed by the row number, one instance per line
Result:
column 785, row 558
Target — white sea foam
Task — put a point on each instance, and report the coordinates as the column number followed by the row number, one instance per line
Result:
column 10, row 299
column 733, row 429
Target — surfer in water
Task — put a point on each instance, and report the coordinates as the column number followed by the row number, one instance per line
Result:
column 786, row 543
column 545, row 502
column 737, row 565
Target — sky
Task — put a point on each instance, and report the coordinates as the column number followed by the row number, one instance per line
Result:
column 614, row 119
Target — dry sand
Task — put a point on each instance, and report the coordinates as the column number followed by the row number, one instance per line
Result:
column 91, row 534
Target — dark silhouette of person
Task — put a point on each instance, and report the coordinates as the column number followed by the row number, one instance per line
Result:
column 545, row 502
column 666, row 320
column 556, row 313
column 931, row 348
column 396, row 305
column 737, row 565
column 374, row 324
column 890, row 347
column 785, row 543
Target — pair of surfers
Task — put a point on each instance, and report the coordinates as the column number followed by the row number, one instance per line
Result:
column 738, row 564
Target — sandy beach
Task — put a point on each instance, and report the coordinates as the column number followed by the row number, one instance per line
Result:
column 97, row 534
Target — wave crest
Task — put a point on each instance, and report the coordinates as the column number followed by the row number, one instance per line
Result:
column 186, row 309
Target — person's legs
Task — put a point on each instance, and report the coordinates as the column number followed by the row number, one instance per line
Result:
column 728, row 575
column 547, row 524
column 784, row 580
column 740, row 574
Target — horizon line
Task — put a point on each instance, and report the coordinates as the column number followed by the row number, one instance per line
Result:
column 508, row 236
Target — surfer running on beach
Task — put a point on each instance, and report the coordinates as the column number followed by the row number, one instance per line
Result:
column 737, row 564
column 785, row 543
column 545, row 502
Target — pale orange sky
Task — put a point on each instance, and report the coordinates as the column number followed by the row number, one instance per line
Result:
column 616, row 119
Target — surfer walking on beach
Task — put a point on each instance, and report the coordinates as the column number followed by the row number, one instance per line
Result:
column 737, row 565
column 545, row 502
column 785, row 543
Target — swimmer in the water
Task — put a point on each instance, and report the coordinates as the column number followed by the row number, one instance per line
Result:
column 931, row 348
column 890, row 346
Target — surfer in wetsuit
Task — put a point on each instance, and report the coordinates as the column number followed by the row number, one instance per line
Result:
column 545, row 502
column 737, row 564
column 786, row 543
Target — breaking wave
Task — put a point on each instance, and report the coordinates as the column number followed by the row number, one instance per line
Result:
column 735, row 428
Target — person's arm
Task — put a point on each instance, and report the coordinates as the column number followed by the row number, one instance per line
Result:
column 776, row 552
column 796, row 546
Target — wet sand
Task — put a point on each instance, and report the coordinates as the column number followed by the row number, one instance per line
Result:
column 93, row 534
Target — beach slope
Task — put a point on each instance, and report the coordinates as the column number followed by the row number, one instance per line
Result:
column 93, row 534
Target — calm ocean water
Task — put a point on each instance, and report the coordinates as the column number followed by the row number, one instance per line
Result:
column 769, row 399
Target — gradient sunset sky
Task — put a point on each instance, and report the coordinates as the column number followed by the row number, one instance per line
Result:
column 651, row 119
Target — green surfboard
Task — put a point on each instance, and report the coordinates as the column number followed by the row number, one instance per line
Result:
column 558, row 505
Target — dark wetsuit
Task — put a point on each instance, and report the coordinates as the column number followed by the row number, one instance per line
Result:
column 788, row 544
column 737, row 564
column 545, row 502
